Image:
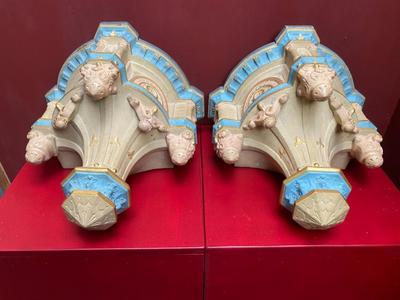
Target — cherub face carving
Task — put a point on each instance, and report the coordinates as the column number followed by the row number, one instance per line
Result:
column 99, row 78
column 315, row 82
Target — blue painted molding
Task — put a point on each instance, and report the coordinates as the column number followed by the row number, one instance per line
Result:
column 43, row 122
column 311, row 179
column 187, row 123
column 139, row 48
column 224, row 123
column 100, row 181
column 274, row 51
column 366, row 124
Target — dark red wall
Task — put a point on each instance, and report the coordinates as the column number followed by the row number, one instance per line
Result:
column 207, row 38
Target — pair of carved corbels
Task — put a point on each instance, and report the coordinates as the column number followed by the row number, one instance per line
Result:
column 123, row 106
column 291, row 107
column 120, row 106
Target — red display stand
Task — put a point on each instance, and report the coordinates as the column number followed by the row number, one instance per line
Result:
column 155, row 251
column 246, row 248
column 255, row 251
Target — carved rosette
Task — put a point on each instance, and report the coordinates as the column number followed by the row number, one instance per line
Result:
column 105, row 123
column 307, row 125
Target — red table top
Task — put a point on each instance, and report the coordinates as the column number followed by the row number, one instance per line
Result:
column 242, row 208
column 166, row 212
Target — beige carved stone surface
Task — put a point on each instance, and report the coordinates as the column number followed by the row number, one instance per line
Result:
column 229, row 146
column 90, row 210
column 65, row 113
column 180, row 146
column 41, row 147
column 320, row 210
column 98, row 79
column 267, row 115
column 307, row 123
column 120, row 106
column 367, row 149
column 315, row 82
column 146, row 115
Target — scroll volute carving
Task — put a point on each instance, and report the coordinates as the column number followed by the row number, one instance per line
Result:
column 110, row 123
column 303, row 125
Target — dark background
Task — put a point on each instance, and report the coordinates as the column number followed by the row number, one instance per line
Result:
column 207, row 39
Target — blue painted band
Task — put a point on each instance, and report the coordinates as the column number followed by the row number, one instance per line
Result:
column 366, row 124
column 224, row 123
column 274, row 51
column 186, row 123
column 43, row 122
column 294, row 189
column 101, row 182
column 122, row 29
column 266, row 94
column 169, row 68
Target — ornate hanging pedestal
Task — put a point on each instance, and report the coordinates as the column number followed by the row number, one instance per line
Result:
column 156, row 253
column 255, row 252
column 291, row 107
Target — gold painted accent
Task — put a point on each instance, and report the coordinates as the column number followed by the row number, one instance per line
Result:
column 296, row 29
column 299, row 141
column 94, row 140
column 115, row 141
